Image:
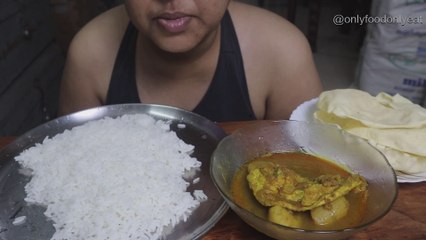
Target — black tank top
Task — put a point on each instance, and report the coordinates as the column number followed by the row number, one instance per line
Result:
column 227, row 97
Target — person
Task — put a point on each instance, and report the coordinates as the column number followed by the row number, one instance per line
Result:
column 223, row 59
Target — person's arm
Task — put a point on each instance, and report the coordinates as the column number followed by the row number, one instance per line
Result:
column 89, row 62
column 295, row 77
column 77, row 89
column 278, row 62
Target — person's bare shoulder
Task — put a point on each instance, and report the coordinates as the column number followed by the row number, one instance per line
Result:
column 277, row 58
column 104, row 30
column 90, row 59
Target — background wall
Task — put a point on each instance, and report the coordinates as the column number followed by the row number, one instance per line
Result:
column 30, row 65
column 34, row 36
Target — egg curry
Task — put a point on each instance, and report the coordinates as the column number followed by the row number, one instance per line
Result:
column 301, row 191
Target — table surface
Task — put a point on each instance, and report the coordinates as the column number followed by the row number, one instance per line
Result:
column 406, row 220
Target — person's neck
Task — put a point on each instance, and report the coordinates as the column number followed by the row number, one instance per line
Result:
column 161, row 64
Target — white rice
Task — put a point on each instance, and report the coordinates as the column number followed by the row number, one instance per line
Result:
column 19, row 220
column 196, row 180
column 200, row 195
column 112, row 179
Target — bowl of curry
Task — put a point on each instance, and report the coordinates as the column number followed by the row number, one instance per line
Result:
column 300, row 180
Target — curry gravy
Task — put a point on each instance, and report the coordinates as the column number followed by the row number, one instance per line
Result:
column 308, row 166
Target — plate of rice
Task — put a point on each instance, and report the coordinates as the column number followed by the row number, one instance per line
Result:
column 128, row 171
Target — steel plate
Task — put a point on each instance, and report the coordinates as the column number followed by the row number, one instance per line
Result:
column 199, row 131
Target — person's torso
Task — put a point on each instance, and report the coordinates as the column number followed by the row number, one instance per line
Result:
column 227, row 97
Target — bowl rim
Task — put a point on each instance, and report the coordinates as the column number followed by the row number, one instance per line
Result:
column 359, row 227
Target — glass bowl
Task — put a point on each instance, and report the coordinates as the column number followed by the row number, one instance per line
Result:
column 318, row 139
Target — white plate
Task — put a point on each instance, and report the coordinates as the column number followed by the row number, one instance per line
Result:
column 305, row 112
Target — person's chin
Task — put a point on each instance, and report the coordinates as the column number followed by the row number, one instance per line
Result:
column 177, row 45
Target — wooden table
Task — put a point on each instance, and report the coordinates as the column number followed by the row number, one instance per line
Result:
column 406, row 220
